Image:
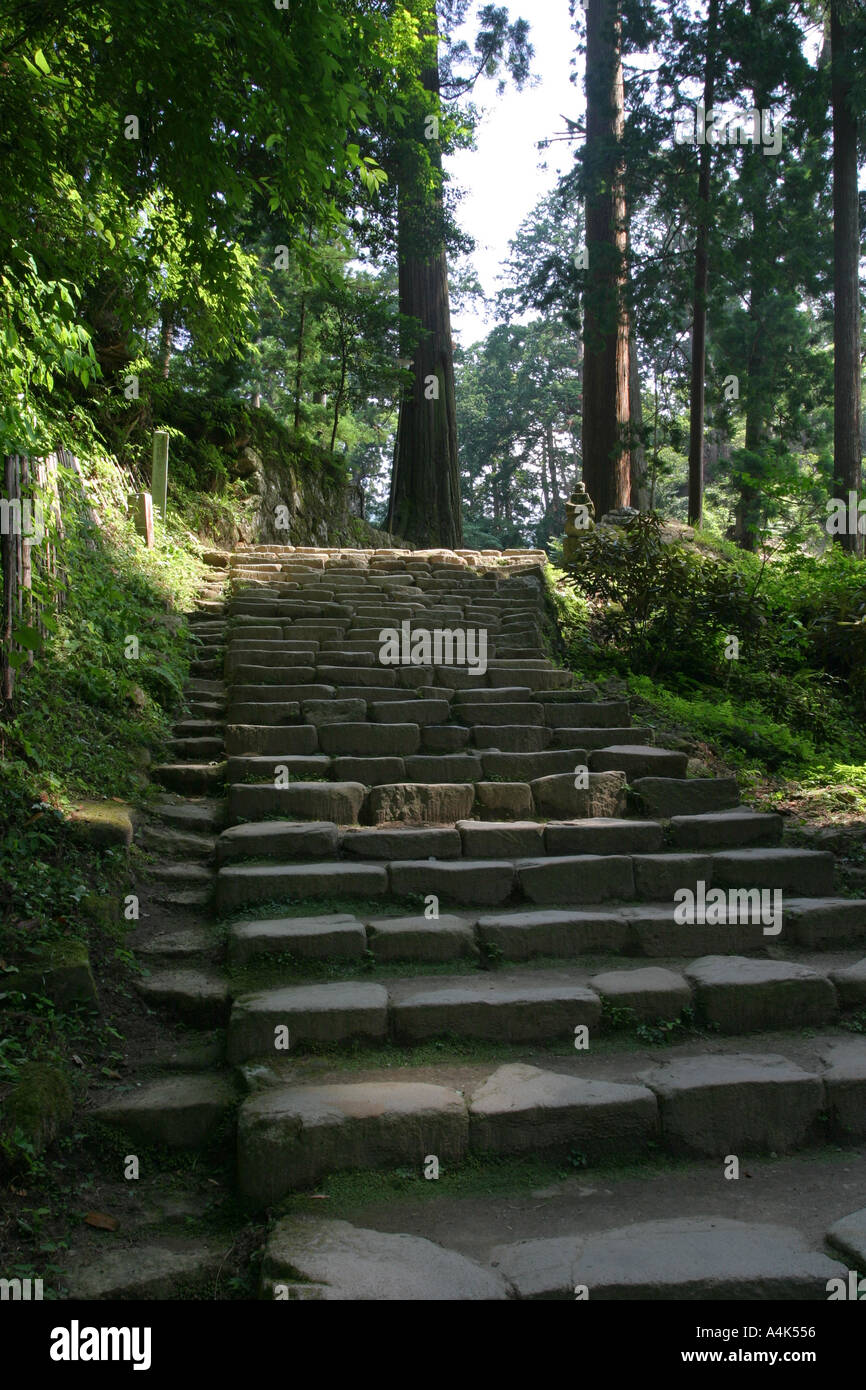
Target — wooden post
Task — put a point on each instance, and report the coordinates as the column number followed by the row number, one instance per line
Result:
column 9, row 563
column 159, row 472
column 144, row 517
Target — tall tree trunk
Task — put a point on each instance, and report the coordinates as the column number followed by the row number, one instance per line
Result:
column 9, row 565
column 846, row 284
column 702, row 280
column 545, row 487
column 425, row 487
column 748, row 511
column 166, row 328
column 300, row 362
column 638, row 468
column 605, row 423
column 551, row 464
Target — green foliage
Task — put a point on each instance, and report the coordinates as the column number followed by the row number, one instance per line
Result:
column 662, row 605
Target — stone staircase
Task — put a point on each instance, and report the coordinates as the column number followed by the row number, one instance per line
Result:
column 357, row 856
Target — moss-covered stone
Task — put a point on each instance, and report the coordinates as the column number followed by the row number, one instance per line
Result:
column 62, row 973
column 101, row 823
column 39, row 1106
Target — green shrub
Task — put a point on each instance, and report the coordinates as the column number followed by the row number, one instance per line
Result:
column 662, row 605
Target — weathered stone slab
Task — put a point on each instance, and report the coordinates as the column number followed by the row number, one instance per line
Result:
column 717, row 829
column 671, row 796
column 328, row 1013
column 845, row 1082
column 162, row 1271
column 336, row 936
column 420, row 803
column 182, row 1112
column 738, row 995
column 800, row 871
column 498, row 800
column 501, row 839
column 639, row 760
column 557, row 796
column 343, row 1262
column 656, row 933
column 824, row 922
column 512, row 738
column 849, row 1236
column 593, row 714
column 701, row 1258
column 735, row 1103
column 521, row 1109
column 241, row 885
column 496, row 1007
column 198, row 995
column 850, row 984
column 370, row 740
column 660, row 876
column 470, row 881
column 322, row 713
column 290, row 1137
column 602, row 835
column 446, row 937
column 649, row 992
column 433, row 842
column 554, row 932
column 339, row 802
column 420, row 712
column 580, row 878
column 278, row 840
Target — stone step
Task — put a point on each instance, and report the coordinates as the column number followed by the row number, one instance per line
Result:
column 593, row 714
column 666, row 797
column 639, row 761
column 246, row 695
column 334, row 937
column 200, row 816
column 403, row 843
column 289, row 740
column 708, row 1105
column 415, row 803
column 526, row 767
column 198, row 748
column 420, row 712
column 444, row 738
column 740, row 826
column 181, row 1112
column 248, row 675
column 242, row 885
column 270, row 712
column 199, row 728
column 340, row 802
column 190, row 778
column 241, row 767
column 506, row 694
column 499, row 714
column 546, row 878
column 283, row 840
column 693, row 1258
column 160, row 839
column 362, row 739
column 592, row 738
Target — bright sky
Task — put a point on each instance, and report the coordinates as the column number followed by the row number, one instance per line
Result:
column 503, row 178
